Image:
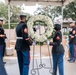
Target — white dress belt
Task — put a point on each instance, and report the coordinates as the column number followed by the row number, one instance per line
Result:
column 19, row 37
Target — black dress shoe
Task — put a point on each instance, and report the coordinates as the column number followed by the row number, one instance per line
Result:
column 69, row 60
column 4, row 62
column 72, row 61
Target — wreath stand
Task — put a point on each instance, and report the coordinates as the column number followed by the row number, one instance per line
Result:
column 41, row 65
column 41, row 38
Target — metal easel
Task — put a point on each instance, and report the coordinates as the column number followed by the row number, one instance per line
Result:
column 35, row 71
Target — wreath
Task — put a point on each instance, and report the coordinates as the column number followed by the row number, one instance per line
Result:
column 41, row 20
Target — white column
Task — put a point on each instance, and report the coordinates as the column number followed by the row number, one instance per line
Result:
column 9, row 22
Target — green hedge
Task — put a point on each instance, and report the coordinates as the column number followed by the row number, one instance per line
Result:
column 65, row 33
column 12, row 25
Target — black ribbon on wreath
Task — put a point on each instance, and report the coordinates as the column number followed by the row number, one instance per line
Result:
column 41, row 65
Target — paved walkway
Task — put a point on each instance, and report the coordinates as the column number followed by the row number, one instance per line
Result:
column 12, row 67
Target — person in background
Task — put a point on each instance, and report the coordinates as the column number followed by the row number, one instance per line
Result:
column 74, row 49
column 57, row 51
column 72, row 41
column 23, row 46
column 2, row 39
column 74, row 29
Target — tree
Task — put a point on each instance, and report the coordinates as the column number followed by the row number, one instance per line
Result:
column 70, row 11
column 3, row 10
column 50, row 11
column 14, row 14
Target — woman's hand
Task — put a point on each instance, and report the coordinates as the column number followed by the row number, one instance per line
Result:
column 72, row 36
column 2, row 35
column 51, row 43
column 27, row 39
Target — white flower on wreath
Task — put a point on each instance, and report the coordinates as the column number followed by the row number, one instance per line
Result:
column 43, row 37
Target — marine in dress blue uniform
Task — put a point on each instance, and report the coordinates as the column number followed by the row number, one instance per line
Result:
column 2, row 39
column 23, row 46
column 72, row 41
column 57, row 51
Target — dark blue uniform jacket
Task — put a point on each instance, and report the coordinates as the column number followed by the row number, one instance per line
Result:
column 21, row 44
column 57, row 47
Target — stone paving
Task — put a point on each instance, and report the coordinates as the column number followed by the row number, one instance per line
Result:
column 11, row 66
